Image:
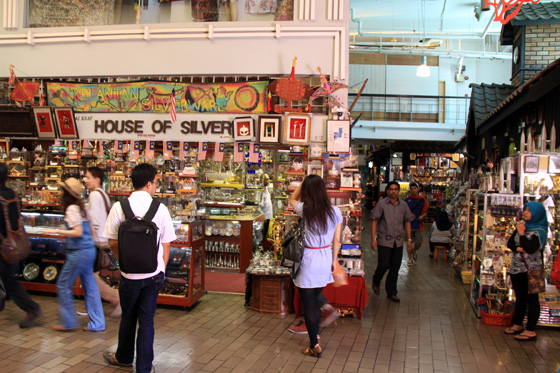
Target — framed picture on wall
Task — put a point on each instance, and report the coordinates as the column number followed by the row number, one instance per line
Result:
column 44, row 122
column 338, row 136
column 554, row 165
column 243, row 129
column 297, row 128
column 66, row 123
column 444, row 163
column 269, row 128
column 315, row 169
column 531, row 164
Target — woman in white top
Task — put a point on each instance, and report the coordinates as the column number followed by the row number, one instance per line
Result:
column 323, row 226
column 80, row 255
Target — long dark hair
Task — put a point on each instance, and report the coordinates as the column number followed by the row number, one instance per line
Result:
column 68, row 200
column 316, row 204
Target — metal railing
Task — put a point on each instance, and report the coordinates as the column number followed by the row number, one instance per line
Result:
column 411, row 108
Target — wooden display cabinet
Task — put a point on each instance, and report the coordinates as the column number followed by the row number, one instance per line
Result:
column 244, row 241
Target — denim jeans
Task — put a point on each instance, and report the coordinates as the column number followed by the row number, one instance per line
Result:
column 79, row 262
column 138, row 303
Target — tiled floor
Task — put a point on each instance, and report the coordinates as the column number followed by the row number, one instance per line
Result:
column 432, row 329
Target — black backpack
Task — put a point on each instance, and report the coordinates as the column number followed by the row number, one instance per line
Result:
column 138, row 240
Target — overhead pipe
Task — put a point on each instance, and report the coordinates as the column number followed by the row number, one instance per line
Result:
column 441, row 35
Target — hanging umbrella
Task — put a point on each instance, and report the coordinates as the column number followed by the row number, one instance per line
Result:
column 289, row 89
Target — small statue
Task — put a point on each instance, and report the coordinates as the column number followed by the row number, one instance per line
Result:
column 347, row 235
column 357, row 180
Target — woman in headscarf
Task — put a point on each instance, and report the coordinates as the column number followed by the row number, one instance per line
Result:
column 527, row 243
column 443, row 232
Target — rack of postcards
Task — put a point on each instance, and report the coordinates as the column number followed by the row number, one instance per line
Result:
column 495, row 221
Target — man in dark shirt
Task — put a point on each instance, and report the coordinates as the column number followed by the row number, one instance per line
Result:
column 391, row 218
column 7, row 271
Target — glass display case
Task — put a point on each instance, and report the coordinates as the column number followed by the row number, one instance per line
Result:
column 40, row 270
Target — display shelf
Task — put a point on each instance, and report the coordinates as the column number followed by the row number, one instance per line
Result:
column 494, row 227
column 245, row 238
column 123, row 194
column 223, row 186
column 223, row 204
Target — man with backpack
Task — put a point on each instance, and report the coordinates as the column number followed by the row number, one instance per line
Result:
column 99, row 207
column 7, row 271
column 140, row 230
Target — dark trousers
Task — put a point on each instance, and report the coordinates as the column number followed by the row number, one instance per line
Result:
column 138, row 302
column 388, row 259
column 15, row 290
column 312, row 300
column 524, row 301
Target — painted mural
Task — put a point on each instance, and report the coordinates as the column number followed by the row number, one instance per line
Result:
column 154, row 97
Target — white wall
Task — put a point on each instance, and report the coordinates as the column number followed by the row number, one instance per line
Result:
column 221, row 48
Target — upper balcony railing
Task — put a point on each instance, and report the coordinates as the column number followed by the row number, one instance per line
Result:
column 411, row 108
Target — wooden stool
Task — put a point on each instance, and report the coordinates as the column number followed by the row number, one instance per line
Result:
column 436, row 252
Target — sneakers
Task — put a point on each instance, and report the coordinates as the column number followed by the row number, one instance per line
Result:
column 111, row 359
column 31, row 319
column 329, row 316
column 299, row 328
column 82, row 312
column 410, row 262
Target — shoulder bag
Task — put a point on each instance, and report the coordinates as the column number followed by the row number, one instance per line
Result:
column 293, row 246
column 535, row 278
column 103, row 259
column 16, row 245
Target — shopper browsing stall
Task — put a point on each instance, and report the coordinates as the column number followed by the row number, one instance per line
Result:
column 391, row 218
column 138, row 290
column 80, row 255
column 323, row 227
column 99, row 206
column 527, row 242
column 419, row 206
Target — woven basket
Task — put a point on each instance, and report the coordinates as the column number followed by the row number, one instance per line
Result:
column 500, row 320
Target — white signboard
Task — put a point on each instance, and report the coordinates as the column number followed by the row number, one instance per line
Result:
column 155, row 126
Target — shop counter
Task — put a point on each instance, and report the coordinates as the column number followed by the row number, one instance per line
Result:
column 352, row 296
column 272, row 293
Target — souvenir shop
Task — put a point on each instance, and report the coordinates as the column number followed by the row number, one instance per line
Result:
column 217, row 174
column 519, row 163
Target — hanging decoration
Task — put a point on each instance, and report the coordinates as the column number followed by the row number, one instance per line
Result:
column 219, row 150
column 202, row 149
column 506, row 10
column 326, row 90
column 289, row 89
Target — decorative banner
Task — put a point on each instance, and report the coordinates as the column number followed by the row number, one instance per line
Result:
column 4, row 93
column 167, row 150
column 202, row 149
column 183, row 149
column 118, row 146
column 150, row 149
column 219, row 150
column 153, row 97
column 254, row 152
column 136, row 148
column 238, row 152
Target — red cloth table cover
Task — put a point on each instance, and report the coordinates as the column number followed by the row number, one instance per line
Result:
column 352, row 295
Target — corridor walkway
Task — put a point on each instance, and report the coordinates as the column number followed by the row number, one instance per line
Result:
column 432, row 329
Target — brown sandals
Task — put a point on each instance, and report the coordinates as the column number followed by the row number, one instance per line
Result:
column 316, row 351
